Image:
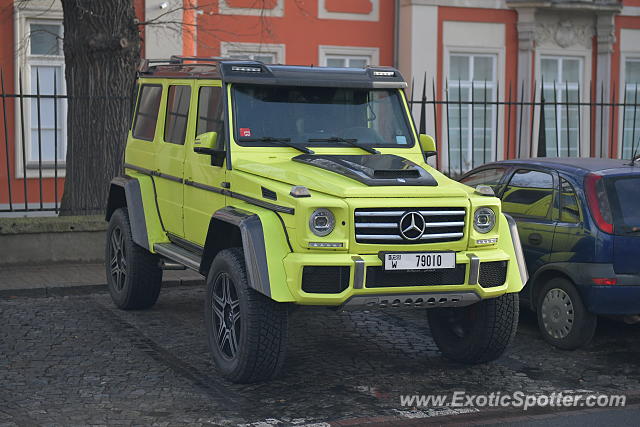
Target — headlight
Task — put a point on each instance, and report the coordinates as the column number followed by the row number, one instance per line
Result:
column 483, row 220
column 322, row 222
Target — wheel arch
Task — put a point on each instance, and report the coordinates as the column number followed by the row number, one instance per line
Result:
column 247, row 227
column 137, row 195
column 542, row 276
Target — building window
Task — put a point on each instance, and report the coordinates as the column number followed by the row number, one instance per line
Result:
column 347, row 61
column 267, row 53
column 345, row 56
column 471, row 117
column 561, row 79
column 631, row 114
column 46, row 136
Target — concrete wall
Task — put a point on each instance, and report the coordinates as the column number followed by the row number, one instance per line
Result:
column 33, row 241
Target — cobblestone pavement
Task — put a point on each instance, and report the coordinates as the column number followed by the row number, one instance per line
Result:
column 77, row 360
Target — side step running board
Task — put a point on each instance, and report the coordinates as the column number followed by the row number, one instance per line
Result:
column 179, row 254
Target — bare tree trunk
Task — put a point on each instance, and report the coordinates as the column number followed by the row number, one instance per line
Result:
column 102, row 50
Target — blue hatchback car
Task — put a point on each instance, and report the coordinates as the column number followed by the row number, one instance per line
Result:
column 579, row 225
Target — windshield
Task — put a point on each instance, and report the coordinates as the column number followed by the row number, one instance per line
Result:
column 624, row 193
column 320, row 116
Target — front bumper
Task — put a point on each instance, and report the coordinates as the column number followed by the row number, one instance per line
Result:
column 357, row 292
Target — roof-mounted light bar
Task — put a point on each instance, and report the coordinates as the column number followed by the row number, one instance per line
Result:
column 245, row 69
column 384, row 73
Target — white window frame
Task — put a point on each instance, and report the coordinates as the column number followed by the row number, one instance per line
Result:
column 24, row 16
column 585, row 76
column 276, row 12
column 252, row 49
column 371, row 54
column 374, row 15
column 624, row 57
column 499, row 78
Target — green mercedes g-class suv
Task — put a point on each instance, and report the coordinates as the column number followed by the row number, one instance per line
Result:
column 289, row 185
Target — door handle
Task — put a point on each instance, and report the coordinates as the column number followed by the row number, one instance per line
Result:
column 535, row 238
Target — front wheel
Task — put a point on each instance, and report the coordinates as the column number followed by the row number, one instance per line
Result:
column 477, row 333
column 246, row 331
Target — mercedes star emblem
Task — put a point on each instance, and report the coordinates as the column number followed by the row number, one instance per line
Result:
column 412, row 225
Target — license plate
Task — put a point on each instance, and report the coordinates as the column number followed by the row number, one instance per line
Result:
column 419, row 260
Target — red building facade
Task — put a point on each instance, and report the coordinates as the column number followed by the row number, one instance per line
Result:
column 486, row 49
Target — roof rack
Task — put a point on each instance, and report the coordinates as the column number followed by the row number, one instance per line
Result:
column 146, row 64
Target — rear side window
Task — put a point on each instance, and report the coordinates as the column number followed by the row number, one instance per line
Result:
column 624, row 193
column 569, row 208
column 144, row 126
column 210, row 111
column 175, row 126
column 529, row 194
column 491, row 177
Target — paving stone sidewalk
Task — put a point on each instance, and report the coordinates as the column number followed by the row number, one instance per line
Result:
column 70, row 279
column 78, row 361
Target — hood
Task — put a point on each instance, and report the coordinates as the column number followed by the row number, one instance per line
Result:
column 340, row 177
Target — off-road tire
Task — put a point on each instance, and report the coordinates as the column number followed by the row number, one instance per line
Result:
column 583, row 324
column 477, row 333
column 262, row 341
column 140, row 286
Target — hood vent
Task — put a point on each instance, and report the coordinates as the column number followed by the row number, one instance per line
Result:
column 391, row 174
column 372, row 170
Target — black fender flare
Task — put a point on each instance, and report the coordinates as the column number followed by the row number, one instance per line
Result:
column 233, row 227
column 125, row 192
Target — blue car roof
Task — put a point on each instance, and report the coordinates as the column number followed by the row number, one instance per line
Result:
column 578, row 165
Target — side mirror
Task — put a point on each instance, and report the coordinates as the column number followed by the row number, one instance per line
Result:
column 428, row 145
column 205, row 143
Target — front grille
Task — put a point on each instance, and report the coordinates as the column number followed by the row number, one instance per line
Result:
column 492, row 273
column 377, row 277
column 325, row 280
column 382, row 225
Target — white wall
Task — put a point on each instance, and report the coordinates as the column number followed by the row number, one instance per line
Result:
column 163, row 40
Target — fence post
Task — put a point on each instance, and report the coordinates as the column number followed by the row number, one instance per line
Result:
column 6, row 140
column 24, row 144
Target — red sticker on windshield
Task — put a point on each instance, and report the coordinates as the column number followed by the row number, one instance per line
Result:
column 245, row 131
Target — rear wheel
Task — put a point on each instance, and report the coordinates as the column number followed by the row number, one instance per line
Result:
column 477, row 333
column 246, row 331
column 134, row 276
column 562, row 317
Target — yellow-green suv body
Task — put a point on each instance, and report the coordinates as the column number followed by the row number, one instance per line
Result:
column 311, row 187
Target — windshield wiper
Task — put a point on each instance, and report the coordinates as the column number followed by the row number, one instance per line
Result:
column 282, row 141
column 351, row 141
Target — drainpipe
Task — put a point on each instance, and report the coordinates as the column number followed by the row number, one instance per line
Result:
column 396, row 35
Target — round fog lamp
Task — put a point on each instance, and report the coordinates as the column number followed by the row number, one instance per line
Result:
column 484, row 220
column 322, row 222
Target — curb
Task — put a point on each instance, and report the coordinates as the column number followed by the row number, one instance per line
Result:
column 61, row 291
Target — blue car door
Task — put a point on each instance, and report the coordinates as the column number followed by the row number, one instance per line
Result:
column 528, row 197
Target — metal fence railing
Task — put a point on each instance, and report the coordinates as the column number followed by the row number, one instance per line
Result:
column 33, row 142
column 31, row 179
column 474, row 123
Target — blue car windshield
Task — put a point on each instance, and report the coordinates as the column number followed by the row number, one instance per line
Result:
column 319, row 116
